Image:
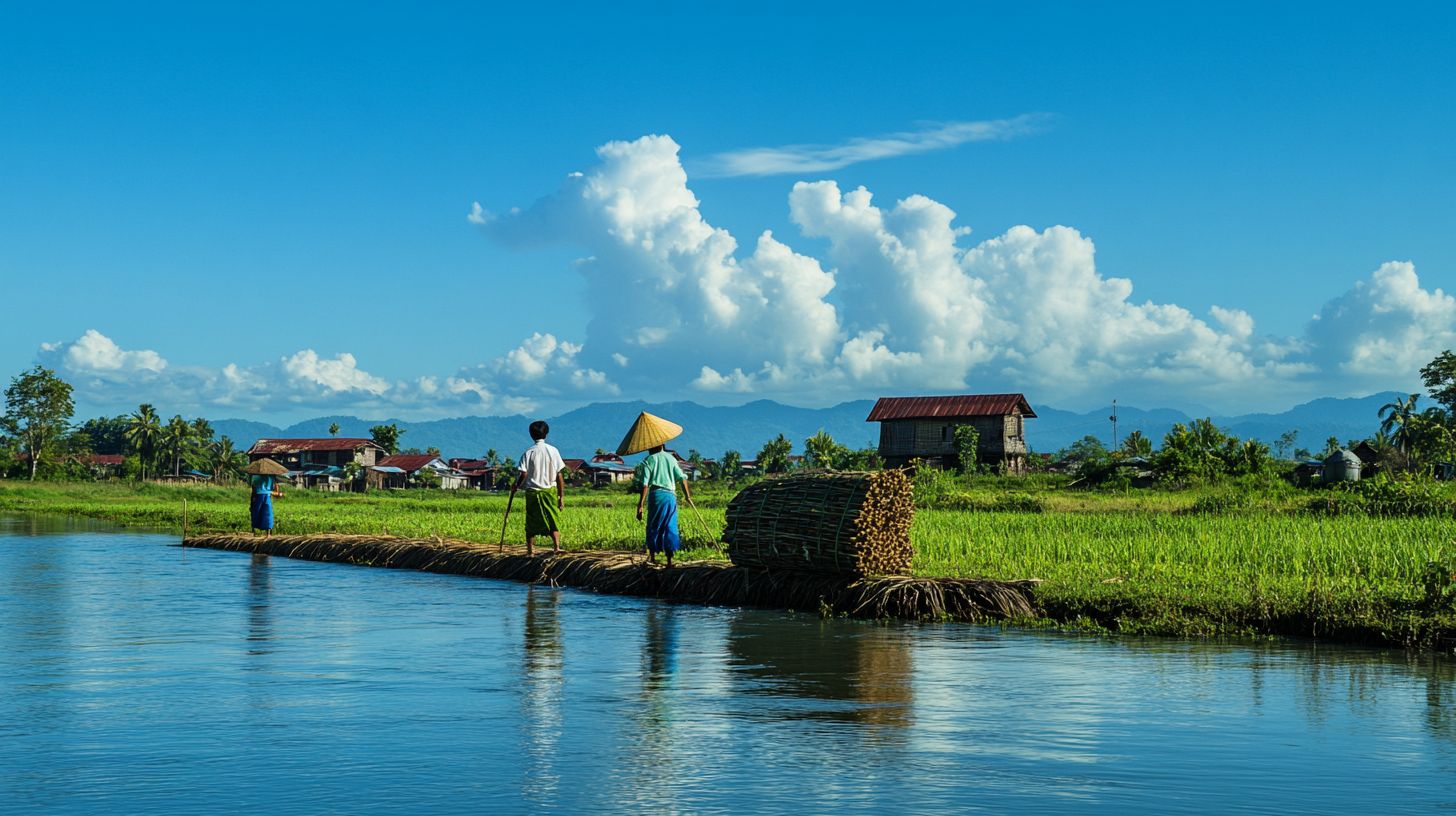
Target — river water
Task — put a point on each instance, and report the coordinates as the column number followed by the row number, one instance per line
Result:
column 139, row 677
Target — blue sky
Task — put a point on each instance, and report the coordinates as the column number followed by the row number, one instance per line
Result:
column 257, row 210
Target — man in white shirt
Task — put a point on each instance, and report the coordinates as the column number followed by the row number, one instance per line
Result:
column 541, row 467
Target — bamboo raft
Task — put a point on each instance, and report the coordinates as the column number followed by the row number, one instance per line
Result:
column 621, row 573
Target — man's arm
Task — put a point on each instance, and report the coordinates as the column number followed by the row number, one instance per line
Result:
column 641, row 500
column 560, row 491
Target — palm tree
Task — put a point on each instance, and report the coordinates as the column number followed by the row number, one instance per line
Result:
column 225, row 460
column 1395, row 419
column 1137, row 445
column 333, row 429
column 143, row 431
column 175, row 439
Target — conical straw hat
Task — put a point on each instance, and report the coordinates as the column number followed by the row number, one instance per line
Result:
column 647, row 432
column 265, row 467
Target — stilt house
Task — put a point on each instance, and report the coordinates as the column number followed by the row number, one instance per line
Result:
column 924, row 428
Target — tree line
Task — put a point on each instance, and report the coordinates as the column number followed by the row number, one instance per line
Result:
column 39, row 440
column 1407, row 439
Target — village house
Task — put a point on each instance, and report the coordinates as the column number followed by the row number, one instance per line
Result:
column 479, row 474
column 576, row 473
column 607, row 468
column 320, row 463
column 924, row 428
column 408, row 469
column 305, row 454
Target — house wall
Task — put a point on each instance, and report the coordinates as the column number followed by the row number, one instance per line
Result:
column 1002, row 438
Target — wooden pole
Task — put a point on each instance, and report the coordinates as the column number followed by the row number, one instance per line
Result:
column 716, row 544
column 184, row 520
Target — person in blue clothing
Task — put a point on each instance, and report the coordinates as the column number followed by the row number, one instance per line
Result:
column 264, row 487
column 658, row 477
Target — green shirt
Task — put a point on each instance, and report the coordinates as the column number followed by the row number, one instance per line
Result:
column 659, row 470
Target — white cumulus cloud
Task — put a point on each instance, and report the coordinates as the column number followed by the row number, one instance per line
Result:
column 902, row 300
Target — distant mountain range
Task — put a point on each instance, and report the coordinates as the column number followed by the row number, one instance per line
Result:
column 746, row 427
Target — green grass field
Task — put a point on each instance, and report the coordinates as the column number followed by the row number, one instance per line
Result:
column 1136, row 561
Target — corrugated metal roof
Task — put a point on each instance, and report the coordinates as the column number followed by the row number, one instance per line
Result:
column 615, row 467
column 267, row 447
column 965, row 405
column 378, row 469
column 470, row 464
column 409, row 462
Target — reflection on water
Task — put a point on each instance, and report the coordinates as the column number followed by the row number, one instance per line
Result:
column 541, row 685
column 836, row 670
column 134, row 681
column 658, row 706
column 260, row 618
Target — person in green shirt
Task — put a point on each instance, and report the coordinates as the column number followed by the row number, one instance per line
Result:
column 657, row 477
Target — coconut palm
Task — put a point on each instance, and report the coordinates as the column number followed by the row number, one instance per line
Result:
column 1137, row 445
column 1395, row 419
column 224, row 460
column 143, row 432
column 175, row 440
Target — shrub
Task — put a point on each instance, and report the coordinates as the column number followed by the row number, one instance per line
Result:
column 1336, row 504
column 1018, row 503
column 1438, row 580
column 1216, row 503
column 932, row 485
column 1407, row 496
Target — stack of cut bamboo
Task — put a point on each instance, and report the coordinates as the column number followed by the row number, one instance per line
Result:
column 842, row 523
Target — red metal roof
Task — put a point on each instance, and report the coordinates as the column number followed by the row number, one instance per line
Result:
column 470, row 464
column 574, row 465
column 965, row 405
column 271, row 446
column 407, row 462
column 104, row 459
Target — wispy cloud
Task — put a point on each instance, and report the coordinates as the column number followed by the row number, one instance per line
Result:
column 814, row 158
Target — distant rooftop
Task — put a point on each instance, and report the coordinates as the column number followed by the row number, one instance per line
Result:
column 964, row 405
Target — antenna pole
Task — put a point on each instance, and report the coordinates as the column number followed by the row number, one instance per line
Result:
column 1114, row 424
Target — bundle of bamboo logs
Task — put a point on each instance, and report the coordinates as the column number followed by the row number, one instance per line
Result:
column 842, row 523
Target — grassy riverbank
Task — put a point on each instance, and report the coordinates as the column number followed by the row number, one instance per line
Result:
column 1137, row 562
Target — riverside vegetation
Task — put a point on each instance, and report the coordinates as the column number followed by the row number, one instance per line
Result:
column 1373, row 563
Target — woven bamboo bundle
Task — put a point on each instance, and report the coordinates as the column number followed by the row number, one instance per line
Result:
column 621, row 573
column 838, row 523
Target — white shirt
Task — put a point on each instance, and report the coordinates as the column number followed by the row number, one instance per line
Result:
column 541, row 462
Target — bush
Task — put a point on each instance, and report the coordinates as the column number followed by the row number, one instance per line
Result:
column 1217, row 503
column 1018, row 503
column 1336, row 504
column 1005, row 503
column 932, row 485
column 1384, row 496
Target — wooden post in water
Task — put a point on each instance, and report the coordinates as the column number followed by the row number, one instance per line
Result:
column 184, row 519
